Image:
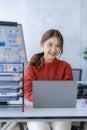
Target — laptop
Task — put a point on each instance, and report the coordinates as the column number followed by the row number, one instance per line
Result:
column 54, row 94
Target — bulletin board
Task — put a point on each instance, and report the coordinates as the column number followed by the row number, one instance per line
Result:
column 12, row 46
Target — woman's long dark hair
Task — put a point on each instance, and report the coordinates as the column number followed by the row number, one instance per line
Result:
column 38, row 60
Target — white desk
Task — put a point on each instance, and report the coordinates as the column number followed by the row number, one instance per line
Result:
column 49, row 114
column 14, row 115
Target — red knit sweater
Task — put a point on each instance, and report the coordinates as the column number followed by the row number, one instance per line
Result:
column 56, row 70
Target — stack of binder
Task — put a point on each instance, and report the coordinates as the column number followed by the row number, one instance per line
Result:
column 11, row 89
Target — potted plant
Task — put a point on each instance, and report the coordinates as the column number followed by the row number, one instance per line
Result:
column 85, row 54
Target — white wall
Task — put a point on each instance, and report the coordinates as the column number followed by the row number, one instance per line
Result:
column 36, row 16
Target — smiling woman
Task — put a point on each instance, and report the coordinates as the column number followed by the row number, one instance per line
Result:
column 46, row 66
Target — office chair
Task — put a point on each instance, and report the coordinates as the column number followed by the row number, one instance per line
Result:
column 77, row 74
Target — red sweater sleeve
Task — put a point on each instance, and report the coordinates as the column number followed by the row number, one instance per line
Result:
column 29, row 76
column 68, row 75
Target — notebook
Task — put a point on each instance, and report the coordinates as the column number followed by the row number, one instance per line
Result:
column 54, row 94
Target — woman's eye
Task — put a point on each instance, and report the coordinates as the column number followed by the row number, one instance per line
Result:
column 50, row 44
column 58, row 46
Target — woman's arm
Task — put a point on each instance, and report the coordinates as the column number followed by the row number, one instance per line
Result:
column 29, row 76
column 68, row 75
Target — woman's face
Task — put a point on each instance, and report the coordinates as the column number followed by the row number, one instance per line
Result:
column 51, row 48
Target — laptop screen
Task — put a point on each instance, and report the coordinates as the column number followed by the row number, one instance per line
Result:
column 54, row 94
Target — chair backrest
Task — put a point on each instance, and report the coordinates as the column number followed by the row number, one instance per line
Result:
column 77, row 74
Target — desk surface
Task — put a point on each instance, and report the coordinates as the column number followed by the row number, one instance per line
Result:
column 12, row 114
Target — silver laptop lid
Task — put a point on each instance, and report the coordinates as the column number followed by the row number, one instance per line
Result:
column 54, row 94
